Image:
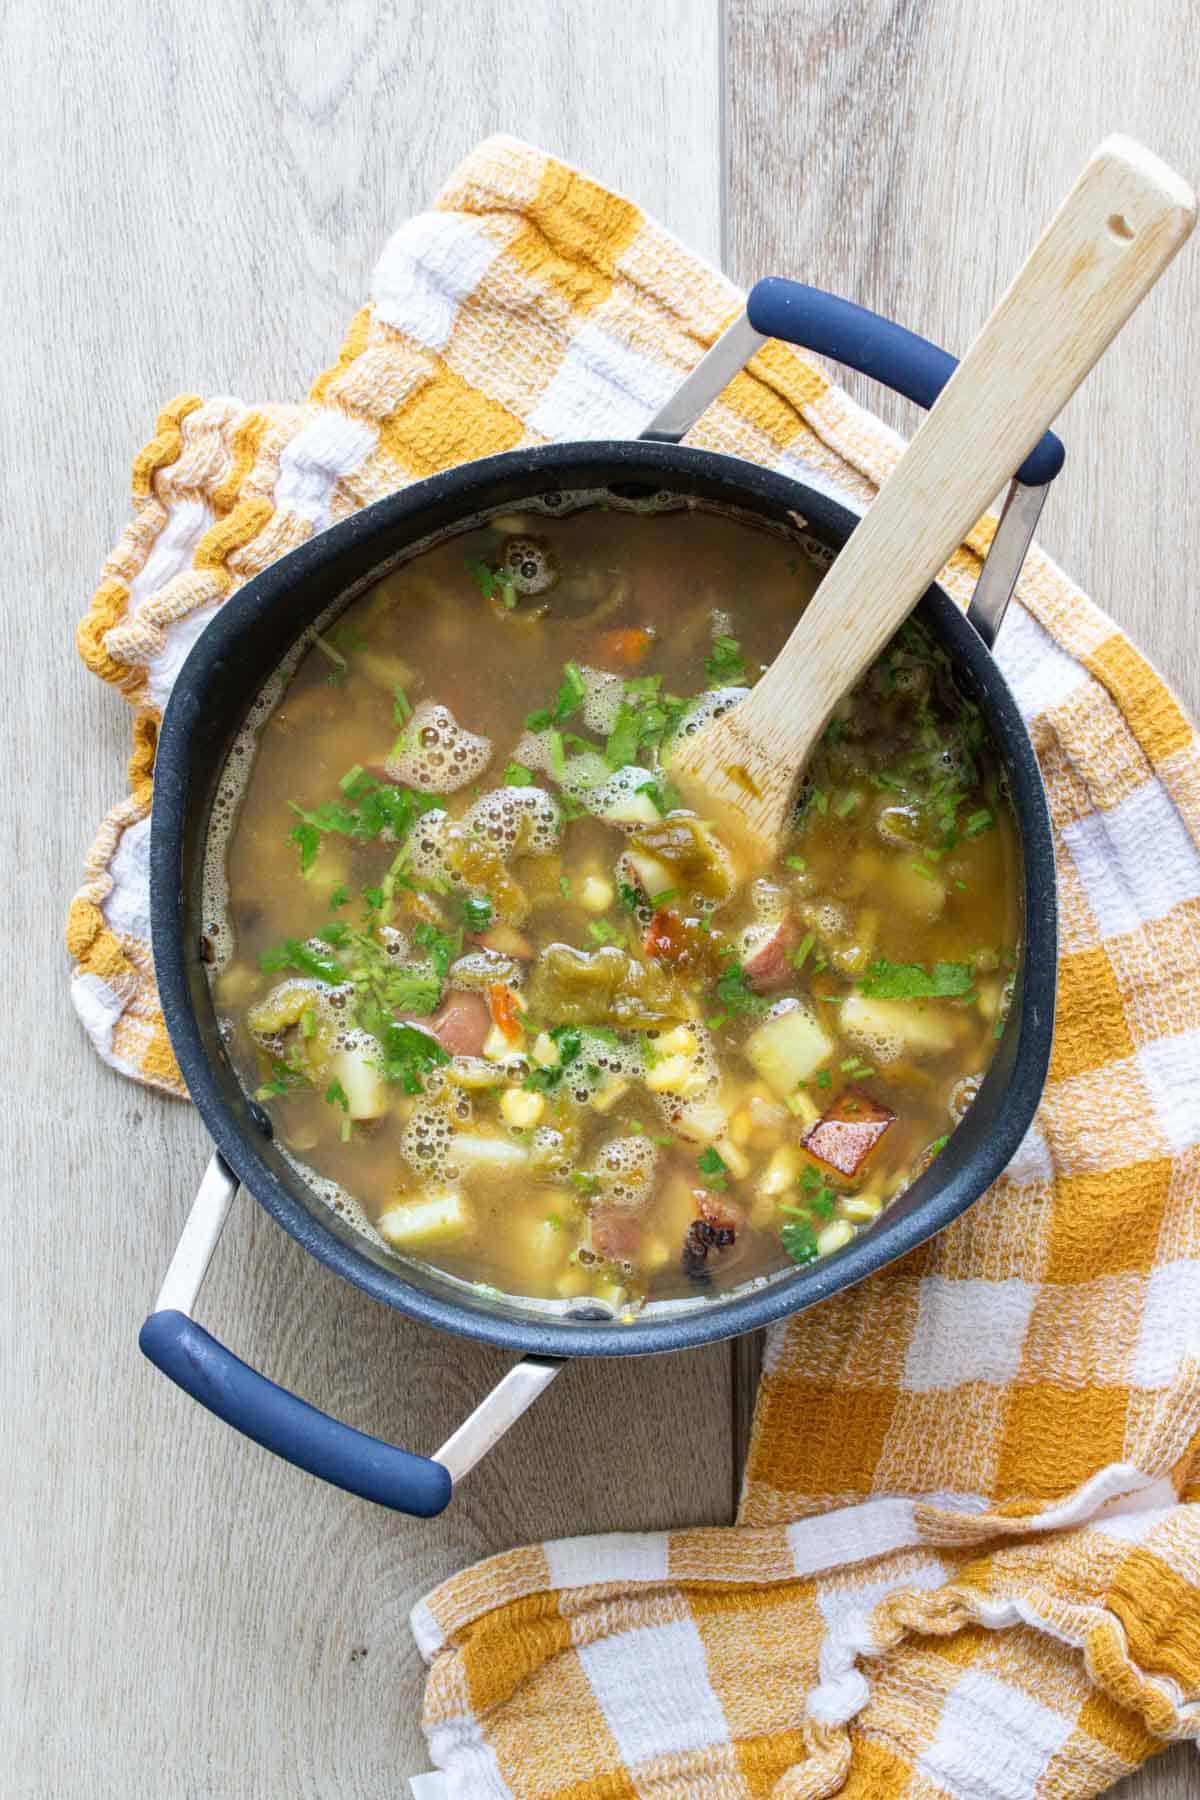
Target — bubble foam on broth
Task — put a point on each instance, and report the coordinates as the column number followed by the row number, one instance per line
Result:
column 439, row 755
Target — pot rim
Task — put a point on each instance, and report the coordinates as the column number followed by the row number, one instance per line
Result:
column 979, row 1148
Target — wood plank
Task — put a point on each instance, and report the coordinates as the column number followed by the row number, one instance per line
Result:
column 907, row 159
column 198, row 196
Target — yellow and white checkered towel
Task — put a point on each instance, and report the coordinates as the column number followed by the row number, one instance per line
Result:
column 967, row 1561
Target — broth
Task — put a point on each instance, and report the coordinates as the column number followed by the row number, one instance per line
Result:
column 488, row 977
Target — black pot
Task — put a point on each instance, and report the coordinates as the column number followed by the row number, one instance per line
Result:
column 212, row 695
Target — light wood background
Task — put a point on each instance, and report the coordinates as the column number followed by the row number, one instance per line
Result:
column 193, row 198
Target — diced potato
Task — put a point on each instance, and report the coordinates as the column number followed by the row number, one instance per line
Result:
column 862, row 1208
column 678, row 1041
column 487, row 1156
column 781, row 1173
column 836, row 1235
column 412, row 1222
column 669, row 1074
column 382, row 666
column 521, row 1109
column 734, row 1159
column 788, row 1048
column 545, row 1051
column 702, row 1121
column 609, row 1092
column 596, row 893
column 543, row 1243
column 636, row 808
column 920, row 896
column 914, row 1025
column 363, row 1083
column 653, row 876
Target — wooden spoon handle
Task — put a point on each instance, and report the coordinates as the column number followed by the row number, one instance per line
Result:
column 1107, row 244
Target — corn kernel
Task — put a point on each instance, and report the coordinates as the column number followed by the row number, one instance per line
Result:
column 545, row 1051
column 834, row 1237
column 521, row 1109
column 596, row 893
column 679, row 1041
column 741, row 1126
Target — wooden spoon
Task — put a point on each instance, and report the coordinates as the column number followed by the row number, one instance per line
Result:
column 1103, row 250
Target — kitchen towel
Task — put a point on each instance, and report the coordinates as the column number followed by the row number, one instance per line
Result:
column 967, row 1557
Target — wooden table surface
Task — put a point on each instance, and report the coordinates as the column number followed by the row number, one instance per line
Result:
column 193, row 197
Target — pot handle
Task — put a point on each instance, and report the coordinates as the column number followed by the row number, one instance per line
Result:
column 876, row 347
column 814, row 320
column 290, row 1427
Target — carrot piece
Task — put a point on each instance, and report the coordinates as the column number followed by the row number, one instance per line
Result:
column 627, row 646
column 503, row 1005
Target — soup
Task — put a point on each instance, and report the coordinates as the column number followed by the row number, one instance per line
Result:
column 517, row 1011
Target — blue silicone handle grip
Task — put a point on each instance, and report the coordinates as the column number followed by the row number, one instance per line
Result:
column 876, row 347
column 281, row 1422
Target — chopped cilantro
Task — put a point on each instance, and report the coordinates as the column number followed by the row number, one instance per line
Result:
column 979, row 822
column 800, row 955
column 493, row 584
column 624, row 738
column 824, row 1078
column 845, row 804
column 938, row 1145
column 339, row 896
column 713, row 1167
column 666, row 894
column 285, row 1076
column 478, row 913
column 569, row 1043
column 308, row 838
column 716, row 1020
column 910, row 981
column 571, row 694
column 517, row 775
column 333, row 934
column 336, row 1095
column 628, row 896
column 305, row 960
column 800, row 1241
column 564, row 886
column 587, row 1184
column 796, row 862
column 554, row 1221
column 408, row 1053
column 725, row 667
column 920, row 868
column 601, row 932
column 734, row 991
column 373, row 897
column 308, row 1022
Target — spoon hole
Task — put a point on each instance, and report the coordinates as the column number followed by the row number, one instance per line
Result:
column 1120, row 227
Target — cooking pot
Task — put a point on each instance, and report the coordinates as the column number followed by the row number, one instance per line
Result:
column 212, row 696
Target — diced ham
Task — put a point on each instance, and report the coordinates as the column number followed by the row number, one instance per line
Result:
column 769, row 968
column 721, row 1214
column 845, row 1135
column 460, row 1024
column 615, row 1233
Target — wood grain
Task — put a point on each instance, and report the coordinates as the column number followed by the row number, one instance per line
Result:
column 902, row 155
column 198, row 196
